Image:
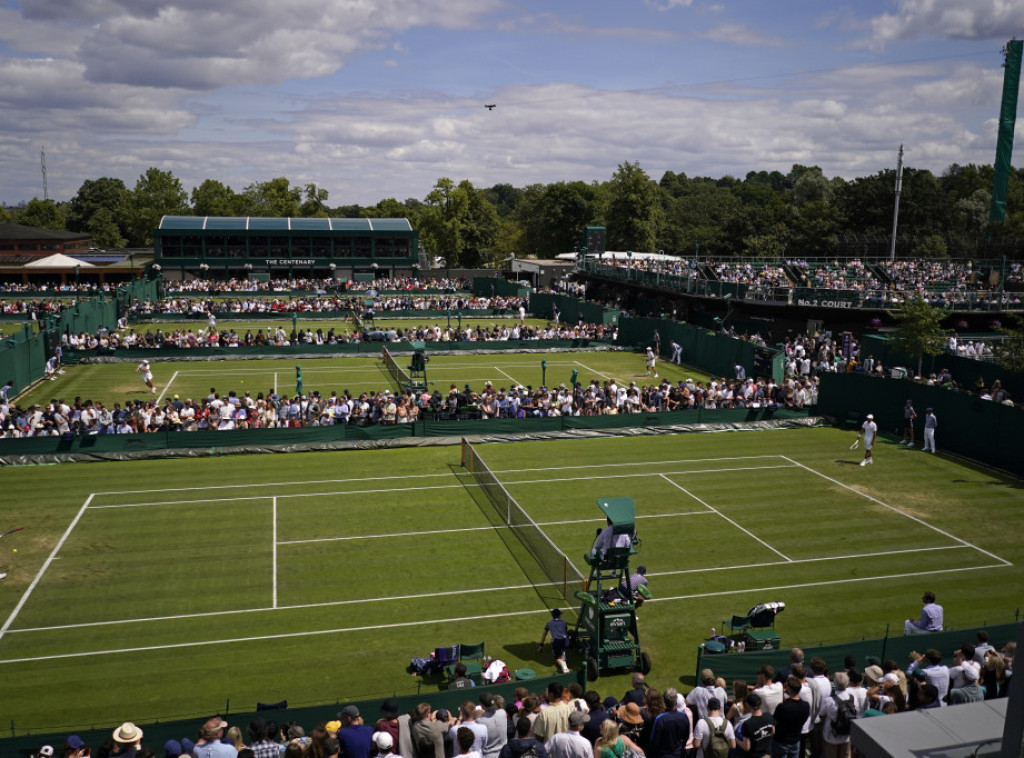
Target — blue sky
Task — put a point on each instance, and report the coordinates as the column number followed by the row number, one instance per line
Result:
column 380, row 98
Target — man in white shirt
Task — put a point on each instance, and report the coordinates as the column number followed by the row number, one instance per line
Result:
column 701, row 696
column 571, row 744
column 713, row 721
column 770, row 692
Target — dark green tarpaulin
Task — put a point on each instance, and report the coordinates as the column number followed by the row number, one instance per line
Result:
column 1007, row 121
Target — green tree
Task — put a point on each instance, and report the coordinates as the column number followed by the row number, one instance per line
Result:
column 554, row 217
column 95, row 195
column 104, row 230
column 213, row 198
column 634, row 216
column 5, row 217
column 315, row 204
column 1010, row 352
column 932, row 246
column 157, row 194
column 42, row 214
column 275, row 198
column 919, row 330
column 480, row 228
column 441, row 222
column 389, row 208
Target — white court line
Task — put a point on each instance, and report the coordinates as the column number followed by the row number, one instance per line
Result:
column 428, row 487
column 248, row 485
column 741, row 528
column 768, row 564
column 274, row 548
column 237, row 611
column 160, row 397
column 44, row 567
column 808, row 585
column 504, row 614
column 510, row 377
column 481, row 528
column 275, row 382
column 593, row 371
column 507, row 588
column 920, row 521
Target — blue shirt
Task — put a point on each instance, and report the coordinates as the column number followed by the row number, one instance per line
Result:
column 356, row 741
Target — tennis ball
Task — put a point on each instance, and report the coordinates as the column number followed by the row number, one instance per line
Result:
column 15, row 550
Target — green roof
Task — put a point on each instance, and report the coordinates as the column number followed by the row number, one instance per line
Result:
column 263, row 223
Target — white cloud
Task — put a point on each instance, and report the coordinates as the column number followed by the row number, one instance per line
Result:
column 667, row 5
column 737, row 34
column 952, row 19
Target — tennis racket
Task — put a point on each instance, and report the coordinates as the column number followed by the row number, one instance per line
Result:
column 856, row 442
column 12, row 531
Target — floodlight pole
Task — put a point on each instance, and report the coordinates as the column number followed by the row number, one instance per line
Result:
column 896, row 209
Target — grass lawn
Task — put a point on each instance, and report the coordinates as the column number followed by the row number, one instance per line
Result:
column 316, row 576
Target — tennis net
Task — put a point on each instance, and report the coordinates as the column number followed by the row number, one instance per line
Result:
column 399, row 376
column 555, row 564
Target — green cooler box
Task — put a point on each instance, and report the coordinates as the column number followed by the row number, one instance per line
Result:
column 761, row 639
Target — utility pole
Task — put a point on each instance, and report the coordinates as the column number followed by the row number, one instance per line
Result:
column 42, row 161
column 896, row 209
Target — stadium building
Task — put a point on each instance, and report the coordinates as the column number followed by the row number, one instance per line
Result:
column 230, row 247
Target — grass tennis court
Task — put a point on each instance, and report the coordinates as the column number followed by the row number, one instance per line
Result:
column 316, row 577
column 118, row 382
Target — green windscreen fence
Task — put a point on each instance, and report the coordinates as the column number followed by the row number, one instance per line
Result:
column 732, row 666
column 571, row 310
column 158, row 730
column 967, row 425
column 488, row 286
column 716, row 353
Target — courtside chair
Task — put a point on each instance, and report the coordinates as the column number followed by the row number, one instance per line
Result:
column 473, row 657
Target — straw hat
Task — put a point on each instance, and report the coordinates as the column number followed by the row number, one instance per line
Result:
column 128, row 734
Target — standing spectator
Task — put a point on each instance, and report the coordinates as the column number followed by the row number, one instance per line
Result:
column 523, row 743
column 467, row 720
column 707, row 728
column 209, row 744
column 770, row 691
column 868, row 430
column 837, row 745
column 259, row 742
column 930, row 424
column 790, row 717
column 909, row 417
column 570, row 743
column 635, row 695
column 671, row 730
column 428, row 731
column 758, row 730
column 931, row 617
column 355, row 737
column 496, row 721
column 700, row 696
column 611, row 744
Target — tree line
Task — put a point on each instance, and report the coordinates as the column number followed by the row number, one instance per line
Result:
column 800, row 214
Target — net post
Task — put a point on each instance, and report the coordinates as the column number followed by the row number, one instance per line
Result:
column 464, row 455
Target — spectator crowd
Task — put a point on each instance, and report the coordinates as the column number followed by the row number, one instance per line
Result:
column 801, row 710
column 231, row 411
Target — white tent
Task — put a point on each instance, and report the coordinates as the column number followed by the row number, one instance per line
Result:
column 58, row 261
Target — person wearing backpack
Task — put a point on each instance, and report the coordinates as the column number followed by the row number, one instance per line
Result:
column 838, row 714
column 714, row 735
